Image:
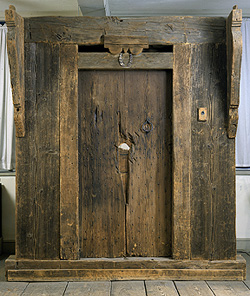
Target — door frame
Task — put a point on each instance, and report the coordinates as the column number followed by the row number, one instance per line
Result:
column 71, row 62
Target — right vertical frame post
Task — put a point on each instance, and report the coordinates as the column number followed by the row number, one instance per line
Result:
column 181, row 151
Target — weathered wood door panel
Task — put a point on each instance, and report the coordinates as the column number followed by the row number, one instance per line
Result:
column 102, row 212
column 125, row 163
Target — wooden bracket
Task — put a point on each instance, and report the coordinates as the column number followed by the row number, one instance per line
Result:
column 234, row 50
column 15, row 46
column 133, row 44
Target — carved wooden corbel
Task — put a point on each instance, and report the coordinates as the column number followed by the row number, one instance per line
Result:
column 15, row 46
column 234, row 51
column 133, row 44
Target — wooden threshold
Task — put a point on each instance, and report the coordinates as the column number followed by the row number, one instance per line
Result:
column 96, row 269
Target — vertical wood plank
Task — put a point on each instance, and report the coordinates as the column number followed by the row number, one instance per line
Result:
column 26, row 164
column 202, row 153
column 46, row 130
column 69, row 178
column 37, row 194
column 213, row 168
column 223, row 164
column 102, row 203
column 181, row 151
column 148, row 219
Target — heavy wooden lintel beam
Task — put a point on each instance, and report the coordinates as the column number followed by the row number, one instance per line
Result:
column 15, row 45
column 234, row 50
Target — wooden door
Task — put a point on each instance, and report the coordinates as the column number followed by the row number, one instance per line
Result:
column 125, row 163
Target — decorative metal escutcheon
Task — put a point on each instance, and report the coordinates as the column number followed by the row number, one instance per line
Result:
column 147, row 126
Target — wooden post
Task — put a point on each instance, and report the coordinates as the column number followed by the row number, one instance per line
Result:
column 69, row 176
column 15, row 45
column 181, row 151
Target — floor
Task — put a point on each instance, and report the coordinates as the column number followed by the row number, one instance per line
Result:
column 128, row 288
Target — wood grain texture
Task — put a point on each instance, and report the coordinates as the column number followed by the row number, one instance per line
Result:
column 202, row 153
column 122, row 274
column 160, row 288
column 159, row 30
column 193, row 288
column 102, row 204
column 51, row 289
column 181, row 151
column 228, row 288
column 26, row 166
column 125, row 288
column 15, row 47
column 12, row 289
column 46, row 132
column 88, row 289
column 149, row 203
column 133, row 202
column 127, row 263
column 116, row 113
column 234, row 51
column 222, row 164
column 213, row 178
column 38, row 187
column 107, row 61
column 69, row 175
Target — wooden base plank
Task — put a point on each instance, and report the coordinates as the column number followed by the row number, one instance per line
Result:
column 125, row 263
column 128, row 288
column 133, row 268
column 160, row 288
column 122, row 274
column 88, row 288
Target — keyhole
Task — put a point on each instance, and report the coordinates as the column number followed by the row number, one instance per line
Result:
column 147, row 126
